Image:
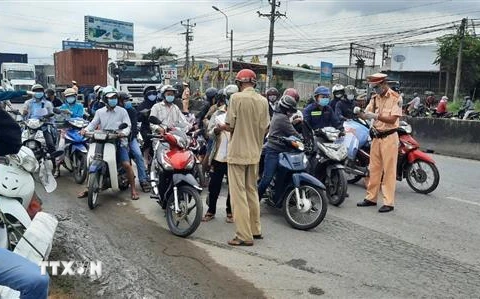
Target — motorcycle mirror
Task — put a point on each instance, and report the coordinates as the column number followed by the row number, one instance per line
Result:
column 154, row 120
column 122, row 126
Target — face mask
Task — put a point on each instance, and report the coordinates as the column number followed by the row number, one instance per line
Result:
column 170, row 98
column 128, row 105
column 152, row 97
column 323, row 102
column 350, row 97
column 272, row 98
column 112, row 102
column 378, row 89
column 338, row 95
column 39, row 95
column 71, row 100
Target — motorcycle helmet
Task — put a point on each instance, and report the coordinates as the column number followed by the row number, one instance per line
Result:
column 287, row 104
column 210, row 93
column 37, row 87
column 49, row 92
column 169, row 98
column 272, row 94
column 338, row 90
column 229, row 90
column 110, row 96
column 321, row 90
column 69, row 92
column 466, row 98
column 220, row 97
column 293, row 93
column 245, row 76
column 350, row 92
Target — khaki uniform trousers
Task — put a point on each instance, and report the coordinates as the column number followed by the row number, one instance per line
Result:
column 242, row 184
column 383, row 162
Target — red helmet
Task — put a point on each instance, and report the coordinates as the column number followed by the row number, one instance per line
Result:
column 245, row 76
column 293, row 93
column 272, row 94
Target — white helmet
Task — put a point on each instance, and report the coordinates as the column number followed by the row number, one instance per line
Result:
column 338, row 87
column 229, row 90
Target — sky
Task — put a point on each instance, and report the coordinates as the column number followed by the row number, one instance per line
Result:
column 322, row 30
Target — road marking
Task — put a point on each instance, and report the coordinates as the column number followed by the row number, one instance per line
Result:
column 464, row 201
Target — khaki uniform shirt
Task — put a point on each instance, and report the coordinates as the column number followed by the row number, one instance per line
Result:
column 387, row 105
column 249, row 118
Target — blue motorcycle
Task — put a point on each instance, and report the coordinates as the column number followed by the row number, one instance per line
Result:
column 76, row 149
column 300, row 195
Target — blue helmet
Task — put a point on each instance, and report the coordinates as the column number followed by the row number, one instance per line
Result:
column 325, row 91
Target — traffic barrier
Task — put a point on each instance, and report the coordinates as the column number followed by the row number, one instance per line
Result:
column 451, row 137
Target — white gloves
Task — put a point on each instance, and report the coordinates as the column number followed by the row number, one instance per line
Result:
column 357, row 110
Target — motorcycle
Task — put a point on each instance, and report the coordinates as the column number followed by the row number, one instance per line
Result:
column 326, row 163
column 198, row 144
column 19, row 205
column 357, row 141
column 300, row 195
column 33, row 137
column 76, row 149
column 173, row 185
column 104, row 171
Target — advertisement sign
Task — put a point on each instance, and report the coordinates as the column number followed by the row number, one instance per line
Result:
column 326, row 69
column 414, row 59
column 362, row 53
column 110, row 34
column 67, row 44
column 224, row 66
column 169, row 73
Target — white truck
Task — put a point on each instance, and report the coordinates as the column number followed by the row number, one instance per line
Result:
column 17, row 76
column 133, row 75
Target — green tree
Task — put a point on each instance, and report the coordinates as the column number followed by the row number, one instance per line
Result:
column 157, row 53
column 447, row 58
column 306, row 66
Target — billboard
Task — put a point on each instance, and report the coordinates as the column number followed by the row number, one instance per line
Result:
column 414, row 59
column 67, row 44
column 169, row 73
column 326, row 69
column 110, row 34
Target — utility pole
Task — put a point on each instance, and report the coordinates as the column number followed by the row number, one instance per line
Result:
column 385, row 48
column 272, row 16
column 188, row 38
column 458, row 73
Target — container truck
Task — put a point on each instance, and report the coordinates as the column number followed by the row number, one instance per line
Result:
column 16, row 73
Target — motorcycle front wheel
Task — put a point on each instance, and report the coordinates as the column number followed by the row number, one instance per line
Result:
column 188, row 219
column 337, row 187
column 80, row 171
column 423, row 177
column 305, row 219
column 95, row 183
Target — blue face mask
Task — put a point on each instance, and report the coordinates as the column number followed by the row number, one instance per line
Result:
column 128, row 105
column 39, row 95
column 112, row 102
column 152, row 97
column 169, row 98
column 323, row 102
column 71, row 100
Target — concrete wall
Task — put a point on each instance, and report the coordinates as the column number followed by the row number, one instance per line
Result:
column 459, row 138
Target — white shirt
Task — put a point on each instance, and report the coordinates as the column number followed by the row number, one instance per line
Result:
column 415, row 102
column 170, row 115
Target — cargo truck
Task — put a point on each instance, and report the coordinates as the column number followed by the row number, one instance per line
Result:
column 16, row 73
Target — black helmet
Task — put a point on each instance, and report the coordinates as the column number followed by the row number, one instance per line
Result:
column 272, row 94
column 288, row 104
column 210, row 93
column 220, row 96
column 49, row 92
column 149, row 88
column 124, row 96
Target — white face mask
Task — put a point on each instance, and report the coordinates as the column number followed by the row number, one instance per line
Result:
column 350, row 96
column 338, row 95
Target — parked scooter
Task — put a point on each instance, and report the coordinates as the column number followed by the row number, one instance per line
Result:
column 19, row 205
column 326, row 163
column 104, row 170
column 300, row 195
column 357, row 141
column 76, row 149
column 173, row 185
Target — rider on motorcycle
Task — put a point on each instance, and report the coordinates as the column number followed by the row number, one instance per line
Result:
column 167, row 112
column 97, row 103
column 111, row 117
column 319, row 114
column 280, row 126
column 38, row 107
column 344, row 107
column 338, row 91
column 71, row 106
column 150, row 98
column 272, row 97
column 468, row 106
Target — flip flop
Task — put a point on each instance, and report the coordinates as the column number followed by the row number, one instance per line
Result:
column 229, row 219
column 237, row 242
column 208, row 217
column 82, row 194
column 135, row 197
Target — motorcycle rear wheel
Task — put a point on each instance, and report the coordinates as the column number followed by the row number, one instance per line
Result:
column 188, row 201
column 95, row 183
column 337, row 187
column 319, row 208
column 418, row 175
column 81, row 170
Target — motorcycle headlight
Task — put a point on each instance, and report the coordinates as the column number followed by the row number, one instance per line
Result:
column 100, row 136
column 191, row 163
column 26, row 158
column 165, row 161
column 408, row 146
column 298, row 145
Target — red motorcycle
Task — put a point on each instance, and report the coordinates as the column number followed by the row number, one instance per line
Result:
column 173, row 184
column 416, row 166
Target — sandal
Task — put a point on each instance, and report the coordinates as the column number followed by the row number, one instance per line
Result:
column 135, row 197
column 258, row 237
column 82, row 194
column 237, row 242
column 208, row 217
column 229, row 218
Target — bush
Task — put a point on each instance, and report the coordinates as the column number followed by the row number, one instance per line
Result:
column 454, row 106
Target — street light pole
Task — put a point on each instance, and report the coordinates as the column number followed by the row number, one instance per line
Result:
column 231, row 42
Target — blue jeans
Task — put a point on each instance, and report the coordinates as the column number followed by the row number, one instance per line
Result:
column 138, row 158
column 270, row 164
column 20, row 274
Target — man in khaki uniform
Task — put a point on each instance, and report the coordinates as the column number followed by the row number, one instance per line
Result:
column 385, row 110
column 247, row 119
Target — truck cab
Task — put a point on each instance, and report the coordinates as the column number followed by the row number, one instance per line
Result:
column 17, row 76
column 133, row 75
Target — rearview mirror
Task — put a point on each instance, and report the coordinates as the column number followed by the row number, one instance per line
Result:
column 123, row 126
column 153, row 120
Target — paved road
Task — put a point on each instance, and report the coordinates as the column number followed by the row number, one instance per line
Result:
column 428, row 247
